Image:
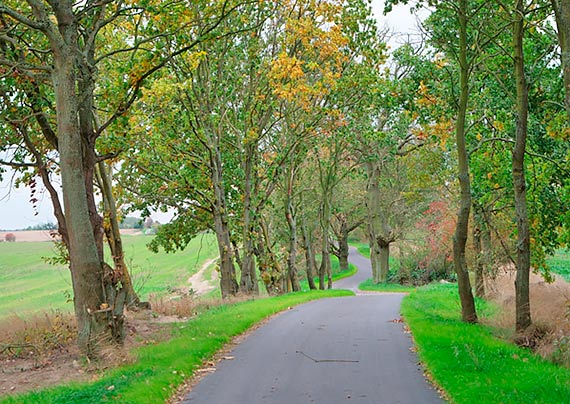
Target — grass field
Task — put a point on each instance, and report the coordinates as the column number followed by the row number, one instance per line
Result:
column 560, row 263
column 30, row 285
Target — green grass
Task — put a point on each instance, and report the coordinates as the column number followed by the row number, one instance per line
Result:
column 472, row 365
column 337, row 274
column 560, row 263
column 385, row 287
column 160, row 369
column 30, row 285
column 363, row 248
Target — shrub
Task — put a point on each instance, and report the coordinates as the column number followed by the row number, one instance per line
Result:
column 10, row 237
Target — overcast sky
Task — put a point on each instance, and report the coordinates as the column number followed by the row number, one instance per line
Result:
column 16, row 212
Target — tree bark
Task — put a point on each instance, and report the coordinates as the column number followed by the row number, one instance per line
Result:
column 479, row 259
column 248, row 283
column 384, row 262
column 562, row 14
column 87, row 272
column 228, row 282
column 468, row 311
column 310, row 261
column 522, row 299
column 292, row 224
column 114, row 238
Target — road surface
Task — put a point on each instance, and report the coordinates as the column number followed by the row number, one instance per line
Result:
column 339, row 350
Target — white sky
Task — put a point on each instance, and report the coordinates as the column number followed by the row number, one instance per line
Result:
column 16, row 211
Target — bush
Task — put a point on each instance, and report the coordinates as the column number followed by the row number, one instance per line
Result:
column 10, row 237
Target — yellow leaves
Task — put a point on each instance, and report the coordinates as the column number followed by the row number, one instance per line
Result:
column 499, row 126
column 193, row 59
column 424, row 97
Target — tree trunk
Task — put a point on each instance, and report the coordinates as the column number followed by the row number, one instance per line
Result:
column 228, row 282
column 114, row 239
column 248, row 282
column 384, row 262
column 269, row 267
column 310, row 261
column 562, row 13
column 343, row 246
column 87, row 272
column 325, row 267
column 374, row 254
column 292, row 224
column 468, row 311
column 523, row 318
column 479, row 258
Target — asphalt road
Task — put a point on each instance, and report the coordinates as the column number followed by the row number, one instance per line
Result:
column 340, row 350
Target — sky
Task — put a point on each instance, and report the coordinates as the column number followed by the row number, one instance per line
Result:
column 16, row 212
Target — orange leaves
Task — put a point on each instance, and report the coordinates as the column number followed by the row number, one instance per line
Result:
column 313, row 57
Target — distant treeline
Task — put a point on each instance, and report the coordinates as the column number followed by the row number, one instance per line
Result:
column 127, row 223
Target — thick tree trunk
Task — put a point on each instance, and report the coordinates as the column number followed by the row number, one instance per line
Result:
column 269, row 267
column 374, row 254
column 522, row 299
column 310, row 261
column 384, row 262
column 228, row 282
column 468, row 311
column 248, row 283
column 343, row 251
column 562, row 13
column 87, row 272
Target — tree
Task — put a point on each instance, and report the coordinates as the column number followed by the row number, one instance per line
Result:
column 52, row 52
column 562, row 14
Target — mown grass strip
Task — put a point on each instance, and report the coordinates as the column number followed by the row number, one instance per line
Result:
column 472, row 365
column 159, row 369
column 385, row 287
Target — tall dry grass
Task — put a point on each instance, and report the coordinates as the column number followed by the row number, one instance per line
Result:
column 550, row 311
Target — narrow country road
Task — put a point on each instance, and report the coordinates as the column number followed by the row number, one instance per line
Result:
column 339, row 350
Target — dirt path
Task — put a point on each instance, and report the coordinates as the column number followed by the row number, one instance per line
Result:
column 199, row 283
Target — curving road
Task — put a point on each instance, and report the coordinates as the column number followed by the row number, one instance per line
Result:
column 340, row 350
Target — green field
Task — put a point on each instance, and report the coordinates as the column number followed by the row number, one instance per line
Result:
column 30, row 285
column 560, row 263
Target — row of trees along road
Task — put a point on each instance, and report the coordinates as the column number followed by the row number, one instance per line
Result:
column 282, row 127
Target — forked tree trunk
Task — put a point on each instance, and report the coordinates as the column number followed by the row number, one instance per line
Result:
column 468, row 311
column 522, row 297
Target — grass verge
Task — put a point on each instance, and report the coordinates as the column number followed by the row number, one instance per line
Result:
column 385, row 287
column 159, row 369
column 472, row 365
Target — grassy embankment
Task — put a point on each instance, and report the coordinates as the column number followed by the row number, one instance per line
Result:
column 472, row 365
column 30, row 285
column 159, row 369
